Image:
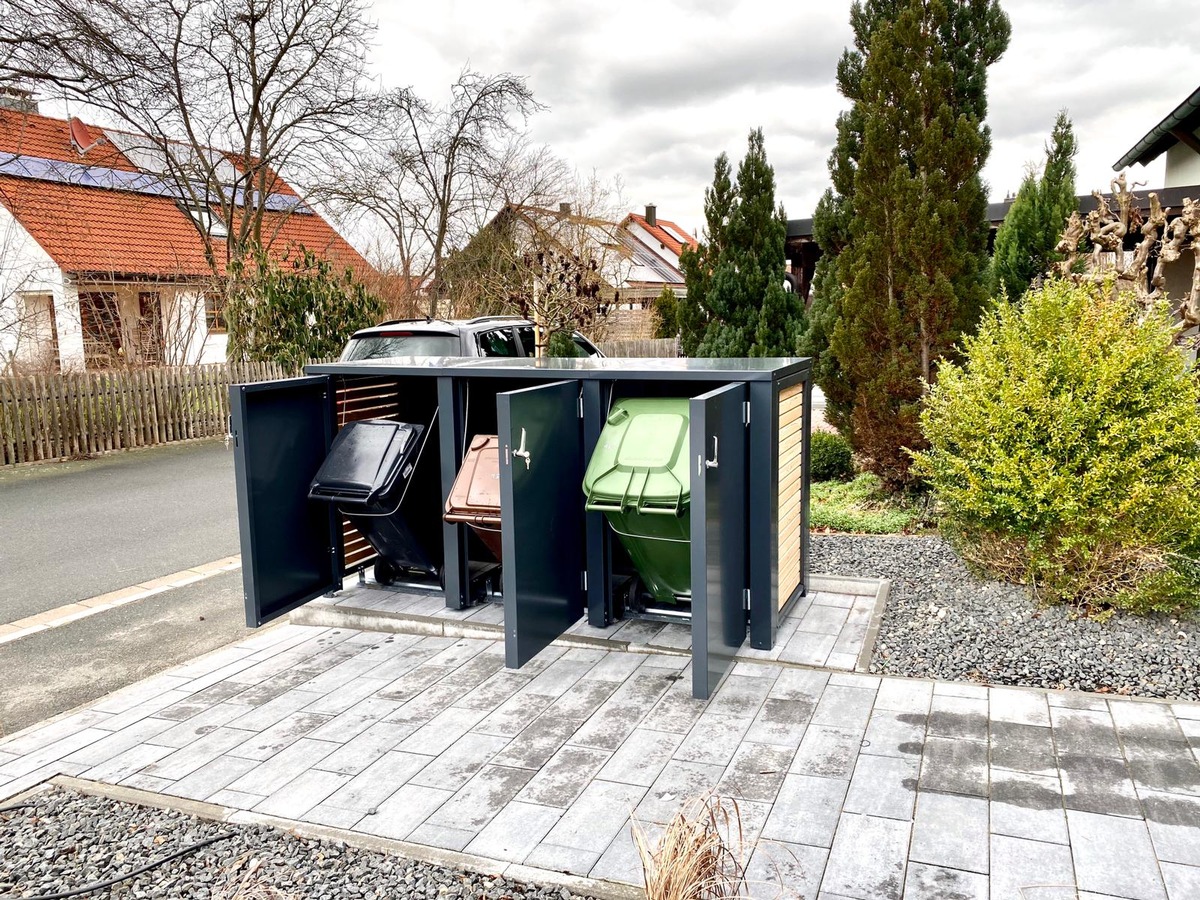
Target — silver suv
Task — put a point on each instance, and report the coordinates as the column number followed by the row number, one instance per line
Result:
column 483, row 336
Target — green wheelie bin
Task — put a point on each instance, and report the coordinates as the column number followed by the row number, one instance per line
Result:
column 639, row 478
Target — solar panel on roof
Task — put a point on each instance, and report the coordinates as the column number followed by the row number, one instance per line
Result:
column 58, row 172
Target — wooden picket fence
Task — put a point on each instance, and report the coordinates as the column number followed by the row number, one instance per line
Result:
column 656, row 348
column 45, row 417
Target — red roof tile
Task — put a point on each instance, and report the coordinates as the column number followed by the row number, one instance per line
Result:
column 669, row 239
column 28, row 134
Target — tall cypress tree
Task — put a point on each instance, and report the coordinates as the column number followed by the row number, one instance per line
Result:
column 736, row 302
column 1026, row 238
column 905, row 226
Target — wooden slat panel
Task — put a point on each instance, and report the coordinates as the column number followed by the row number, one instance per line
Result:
column 790, row 415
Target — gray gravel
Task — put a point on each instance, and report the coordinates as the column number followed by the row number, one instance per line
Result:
column 68, row 840
column 942, row 623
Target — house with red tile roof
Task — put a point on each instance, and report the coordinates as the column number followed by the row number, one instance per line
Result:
column 103, row 262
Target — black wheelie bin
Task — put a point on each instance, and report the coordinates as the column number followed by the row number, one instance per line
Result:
column 369, row 476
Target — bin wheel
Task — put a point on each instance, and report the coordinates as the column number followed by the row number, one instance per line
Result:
column 385, row 572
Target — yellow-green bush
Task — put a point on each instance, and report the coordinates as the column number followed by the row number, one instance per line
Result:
column 1065, row 451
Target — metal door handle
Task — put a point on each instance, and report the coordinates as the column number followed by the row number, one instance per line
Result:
column 521, row 451
column 712, row 463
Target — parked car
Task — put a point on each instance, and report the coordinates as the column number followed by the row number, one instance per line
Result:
column 496, row 336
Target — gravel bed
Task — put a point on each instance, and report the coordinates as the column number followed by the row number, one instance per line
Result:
column 941, row 622
column 67, row 840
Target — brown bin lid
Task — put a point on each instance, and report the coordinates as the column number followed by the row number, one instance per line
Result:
column 477, row 488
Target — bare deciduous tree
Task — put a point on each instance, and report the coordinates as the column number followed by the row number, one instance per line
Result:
column 216, row 96
column 432, row 175
column 563, row 268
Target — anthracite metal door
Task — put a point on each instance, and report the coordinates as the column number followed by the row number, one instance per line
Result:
column 718, row 524
column 541, row 515
column 291, row 546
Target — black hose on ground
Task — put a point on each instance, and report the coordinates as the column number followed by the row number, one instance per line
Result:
column 107, row 883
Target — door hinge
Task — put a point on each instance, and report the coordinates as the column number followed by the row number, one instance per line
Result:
column 584, row 578
column 746, row 412
column 746, row 599
column 579, row 405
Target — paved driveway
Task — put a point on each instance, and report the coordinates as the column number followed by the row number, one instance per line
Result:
column 849, row 785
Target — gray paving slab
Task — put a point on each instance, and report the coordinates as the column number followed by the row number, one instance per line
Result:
column 564, row 776
column 961, row 718
column 925, row 882
column 482, row 798
column 755, row 772
column 894, row 733
column 592, row 822
column 883, row 786
column 1028, row 806
column 714, row 739
column 868, row 858
column 806, row 810
column 951, row 831
column 955, row 766
column 295, row 798
column 1030, row 870
column 211, row 777
column 779, row 869
column 365, row 747
column 1023, row 748
column 827, row 752
column 1114, row 855
column 677, row 782
column 374, row 784
column 1174, row 823
column 641, row 757
column 844, row 707
column 406, row 808
column 515, row 831
column 1182, row 882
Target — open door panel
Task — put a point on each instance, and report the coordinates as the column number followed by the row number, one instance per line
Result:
column 291, row 546
column 541, row 515
column 718, row 526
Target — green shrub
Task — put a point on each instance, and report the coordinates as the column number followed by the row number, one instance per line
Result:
column 829, row 457
column 861, row 506
column 1063, row 452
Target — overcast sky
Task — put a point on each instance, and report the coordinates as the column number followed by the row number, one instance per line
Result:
column 653, row 91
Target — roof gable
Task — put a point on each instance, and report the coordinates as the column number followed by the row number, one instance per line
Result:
column 1184, row 118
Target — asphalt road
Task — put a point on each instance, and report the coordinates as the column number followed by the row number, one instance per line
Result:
column 74, row 530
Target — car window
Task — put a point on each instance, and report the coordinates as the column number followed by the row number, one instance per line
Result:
column 388, row 344
column 500, row 342
column 528, row 342
column 586, row 347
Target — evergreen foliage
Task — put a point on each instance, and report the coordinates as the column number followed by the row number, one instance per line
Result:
column 666, row 314
column 736, row 303
column 904, row 228
column 1026, row 238
column 1063, row 450
column 295, row 309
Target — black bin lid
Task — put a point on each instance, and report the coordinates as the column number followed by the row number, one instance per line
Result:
column 367, row 462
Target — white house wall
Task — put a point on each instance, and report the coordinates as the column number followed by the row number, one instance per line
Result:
column 26, row 269
column 1183, row 166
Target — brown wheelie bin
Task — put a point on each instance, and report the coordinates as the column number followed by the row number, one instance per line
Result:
column 475, row 496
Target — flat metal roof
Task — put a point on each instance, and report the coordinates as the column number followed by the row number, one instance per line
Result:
column 610, row 368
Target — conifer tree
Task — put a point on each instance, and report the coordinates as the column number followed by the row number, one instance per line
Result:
column 904, row 229
column 736, row 301
column 1026, row 238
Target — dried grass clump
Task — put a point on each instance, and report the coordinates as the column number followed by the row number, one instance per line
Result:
column 701, row 854
column 252, row 885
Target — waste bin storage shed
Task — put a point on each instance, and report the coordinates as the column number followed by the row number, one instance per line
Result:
column 747, row 466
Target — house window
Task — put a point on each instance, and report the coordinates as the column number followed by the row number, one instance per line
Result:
column 150, row 328
column 207, row 221
column 214, row 312
column 101, row 321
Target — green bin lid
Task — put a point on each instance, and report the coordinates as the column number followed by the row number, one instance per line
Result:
column 641, row 461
